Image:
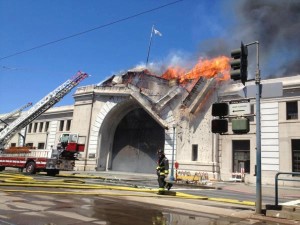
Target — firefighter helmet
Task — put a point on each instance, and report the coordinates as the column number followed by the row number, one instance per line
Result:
column 160, row 152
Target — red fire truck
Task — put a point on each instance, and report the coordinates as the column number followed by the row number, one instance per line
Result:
column 34, row 160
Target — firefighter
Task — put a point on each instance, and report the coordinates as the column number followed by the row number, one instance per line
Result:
column 162, row 171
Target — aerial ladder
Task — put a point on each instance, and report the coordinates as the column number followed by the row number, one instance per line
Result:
column 39, row 108
column 9, row 115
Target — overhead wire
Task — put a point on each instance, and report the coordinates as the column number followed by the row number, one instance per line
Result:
column 92, row 29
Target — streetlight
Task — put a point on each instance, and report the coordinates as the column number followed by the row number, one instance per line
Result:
column 173, row 150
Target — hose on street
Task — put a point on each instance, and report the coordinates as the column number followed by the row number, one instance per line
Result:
column 81, row 187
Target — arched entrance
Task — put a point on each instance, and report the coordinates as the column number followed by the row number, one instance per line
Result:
column 136, row 140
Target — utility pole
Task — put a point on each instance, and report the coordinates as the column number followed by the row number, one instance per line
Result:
column 258, row 131
column 258, row 135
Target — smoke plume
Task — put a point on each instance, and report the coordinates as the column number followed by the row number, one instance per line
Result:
column 275, row 24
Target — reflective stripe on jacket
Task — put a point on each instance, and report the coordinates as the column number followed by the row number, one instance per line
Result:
column 163, row 167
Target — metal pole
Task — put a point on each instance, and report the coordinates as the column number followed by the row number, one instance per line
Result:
column 173, row 150
column 258, row 136
column 276, row 189
column 149, row 45
column 258, row 131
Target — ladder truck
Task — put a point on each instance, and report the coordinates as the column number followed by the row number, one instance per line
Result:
column 48, row 160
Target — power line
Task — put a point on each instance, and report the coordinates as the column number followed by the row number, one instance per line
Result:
column 90, row 30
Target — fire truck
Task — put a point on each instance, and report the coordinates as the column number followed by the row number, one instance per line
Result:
column 35, row 160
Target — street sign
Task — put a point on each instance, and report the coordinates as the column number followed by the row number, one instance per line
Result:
column 238, row 109
column 268, row 90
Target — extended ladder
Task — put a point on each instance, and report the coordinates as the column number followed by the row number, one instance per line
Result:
column 39, row 108
column 6, row 117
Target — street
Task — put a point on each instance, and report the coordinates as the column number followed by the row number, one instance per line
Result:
column 44, row 200
column 44, row 209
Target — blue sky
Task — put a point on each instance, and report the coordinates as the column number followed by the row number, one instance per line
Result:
column 190, row 28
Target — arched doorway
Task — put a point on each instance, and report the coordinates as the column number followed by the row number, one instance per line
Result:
column 136, row 140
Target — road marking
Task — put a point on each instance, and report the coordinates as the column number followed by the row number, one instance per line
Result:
column 295, row 202
column 190, row 189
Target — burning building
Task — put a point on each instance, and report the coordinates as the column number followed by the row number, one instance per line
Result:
column 136, row 113
column 128, row 117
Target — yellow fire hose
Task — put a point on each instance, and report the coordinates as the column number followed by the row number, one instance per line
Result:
column 20, row 180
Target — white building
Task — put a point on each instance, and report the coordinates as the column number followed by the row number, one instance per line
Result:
column 127, row 118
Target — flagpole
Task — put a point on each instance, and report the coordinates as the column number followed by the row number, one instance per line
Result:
column 150, row 44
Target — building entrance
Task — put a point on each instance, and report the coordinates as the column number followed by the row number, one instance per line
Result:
column 241, row 156
column 135, row 143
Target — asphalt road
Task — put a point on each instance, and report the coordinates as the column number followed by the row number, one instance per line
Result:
column 20, row 208
column 35, row 205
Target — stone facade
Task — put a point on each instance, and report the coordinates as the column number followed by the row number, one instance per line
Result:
column 101, row 113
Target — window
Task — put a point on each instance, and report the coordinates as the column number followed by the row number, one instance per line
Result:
column 68, row 125
column 46, row 126
column 41, row 127
column 29, row 145
column 13, row 144
column 41, row 145
column 241, row 156
column 35, row 127
column 295, row 155
column 29, row 128
column 61, row 125
column 194, row 152
column 292, row 110
column 251, row 118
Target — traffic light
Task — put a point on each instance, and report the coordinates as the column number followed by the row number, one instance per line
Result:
column 219, row 125
column 220, row 109
column 239, row 64
column 240, row 125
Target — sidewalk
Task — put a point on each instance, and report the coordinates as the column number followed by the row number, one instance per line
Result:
column 268, row 190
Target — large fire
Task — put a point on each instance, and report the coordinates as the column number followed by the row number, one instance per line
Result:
column 217, row 67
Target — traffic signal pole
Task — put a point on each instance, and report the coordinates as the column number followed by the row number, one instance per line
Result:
column 239, row 71
column 258, row 132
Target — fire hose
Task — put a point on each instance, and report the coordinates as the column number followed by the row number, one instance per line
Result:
column 19, row 180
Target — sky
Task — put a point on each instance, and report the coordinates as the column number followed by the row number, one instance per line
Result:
column 44, row 43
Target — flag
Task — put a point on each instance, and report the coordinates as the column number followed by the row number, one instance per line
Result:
column 157, row 32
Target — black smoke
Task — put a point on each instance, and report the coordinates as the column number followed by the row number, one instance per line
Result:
column 275, row 24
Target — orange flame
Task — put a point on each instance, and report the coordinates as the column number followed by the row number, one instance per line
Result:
column 207, row 68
